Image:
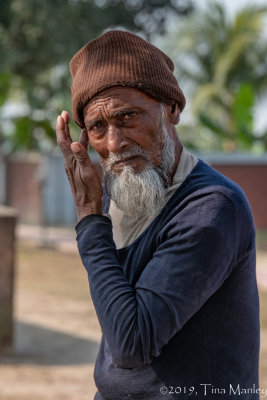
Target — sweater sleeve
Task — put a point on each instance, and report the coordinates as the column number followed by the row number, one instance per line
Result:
column 195, row 253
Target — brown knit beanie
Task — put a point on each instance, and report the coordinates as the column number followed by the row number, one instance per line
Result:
column 120, row 58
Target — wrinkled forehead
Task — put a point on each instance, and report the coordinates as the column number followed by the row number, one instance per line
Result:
column 121, row 98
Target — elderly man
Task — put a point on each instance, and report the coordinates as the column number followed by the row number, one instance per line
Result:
column 171, row 256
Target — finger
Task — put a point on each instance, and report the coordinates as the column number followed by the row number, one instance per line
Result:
column 60, row 126
column 84, row 140
column 80, row 153
column 66, row 117
column 63, row 141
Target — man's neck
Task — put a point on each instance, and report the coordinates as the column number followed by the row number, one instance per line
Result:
column 178, row 151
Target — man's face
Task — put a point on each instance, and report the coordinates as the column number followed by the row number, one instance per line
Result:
column 120, row 119
column 129, row 131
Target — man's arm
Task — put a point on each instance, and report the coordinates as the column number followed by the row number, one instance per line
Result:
column 196, row 252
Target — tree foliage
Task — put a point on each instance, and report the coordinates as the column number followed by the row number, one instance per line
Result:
column 224, row 62
column 38, row 39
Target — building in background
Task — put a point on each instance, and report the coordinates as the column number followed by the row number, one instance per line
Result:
column 38, row 188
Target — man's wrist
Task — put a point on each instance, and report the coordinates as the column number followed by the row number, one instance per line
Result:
column 89, row 211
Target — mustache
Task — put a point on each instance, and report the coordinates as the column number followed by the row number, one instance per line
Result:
column 134, row 151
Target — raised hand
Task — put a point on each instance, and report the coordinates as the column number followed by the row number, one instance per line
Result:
column 84, row 180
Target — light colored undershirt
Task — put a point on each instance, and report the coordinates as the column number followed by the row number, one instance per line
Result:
column 127, row 228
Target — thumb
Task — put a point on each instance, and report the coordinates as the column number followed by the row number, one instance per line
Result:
column 79, row 152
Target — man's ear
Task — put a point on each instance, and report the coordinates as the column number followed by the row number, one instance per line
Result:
column 173, row 112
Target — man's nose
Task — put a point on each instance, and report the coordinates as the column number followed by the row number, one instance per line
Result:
column 116, row 139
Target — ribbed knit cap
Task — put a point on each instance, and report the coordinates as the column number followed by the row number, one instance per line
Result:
column 120, row 58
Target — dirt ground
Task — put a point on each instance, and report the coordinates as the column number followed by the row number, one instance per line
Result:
column 56, row 332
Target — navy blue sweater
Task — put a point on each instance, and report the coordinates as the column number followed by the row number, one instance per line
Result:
column 178, row 307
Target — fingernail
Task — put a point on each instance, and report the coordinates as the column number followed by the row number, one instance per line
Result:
column 75, row 147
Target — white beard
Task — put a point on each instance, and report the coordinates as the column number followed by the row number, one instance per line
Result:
column 138, row 194
column 141, row 194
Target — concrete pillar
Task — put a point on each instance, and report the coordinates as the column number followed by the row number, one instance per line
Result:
column 7, row 241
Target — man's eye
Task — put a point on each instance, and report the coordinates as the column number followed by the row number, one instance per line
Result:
column 97, row 125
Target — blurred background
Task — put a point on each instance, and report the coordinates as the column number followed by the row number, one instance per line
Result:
column 49, row 334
